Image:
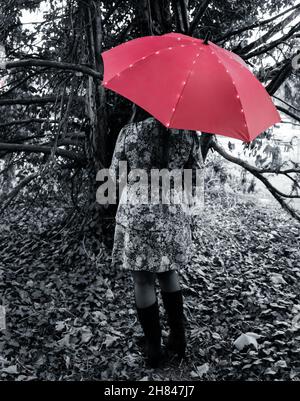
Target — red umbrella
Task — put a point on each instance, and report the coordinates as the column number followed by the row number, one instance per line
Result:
column 188, row 84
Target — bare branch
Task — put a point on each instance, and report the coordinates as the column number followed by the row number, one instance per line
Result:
column 275, row 29
column 77, row 137
column 281, row 76
column 34, row 100
column 238, row 31
column 53, row 64
column 198, row 15
column 28, row 121
column 7, row 199
column 278, row 195
column 276, row 171
column 272, row 45
column 15, row 147
column 289, row 113
column 287, row 104
column 18, row 82
column 294, row 181
column 268, row 73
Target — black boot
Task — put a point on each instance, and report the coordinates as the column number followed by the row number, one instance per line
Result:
column 149, row 319
column 173, row 304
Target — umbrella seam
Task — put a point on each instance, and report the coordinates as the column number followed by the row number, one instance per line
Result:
column 238, row 96
column 141, row 59
column 186, row 81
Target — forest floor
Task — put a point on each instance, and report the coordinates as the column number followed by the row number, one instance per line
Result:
column 70, row 317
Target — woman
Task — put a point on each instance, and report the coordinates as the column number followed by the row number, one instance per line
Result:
column 153, row 239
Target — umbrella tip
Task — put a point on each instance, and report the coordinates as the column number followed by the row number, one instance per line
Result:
column 207, row 36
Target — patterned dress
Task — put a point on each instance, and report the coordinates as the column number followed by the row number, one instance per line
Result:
column 154, row 236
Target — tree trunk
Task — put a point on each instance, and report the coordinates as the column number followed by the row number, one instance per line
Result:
column 8, row 175
column 153, row 17
column 95, row 93
column 96, row 132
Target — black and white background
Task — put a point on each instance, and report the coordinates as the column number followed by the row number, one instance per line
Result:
column 64, row 314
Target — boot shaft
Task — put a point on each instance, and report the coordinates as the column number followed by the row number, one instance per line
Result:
column 149, row 319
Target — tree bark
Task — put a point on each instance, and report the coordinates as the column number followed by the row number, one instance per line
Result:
column 143, row 17
column 16, row 147
column 36, row 100
column 53, row 64
column 8, row 174
column 95, row 93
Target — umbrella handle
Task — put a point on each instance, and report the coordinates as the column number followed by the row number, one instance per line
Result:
column 207, row 36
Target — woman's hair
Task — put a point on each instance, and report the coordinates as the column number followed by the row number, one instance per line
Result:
column 140, row 114
column 165, row 145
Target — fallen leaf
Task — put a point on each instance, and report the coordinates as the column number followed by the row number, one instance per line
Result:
column 202, row 370
column 245, row 340
column 109, row 340
column 86, row 334
column 281, row 364
column 12, row 370
column 277, row 278
column 109, row 295
column 270, row 371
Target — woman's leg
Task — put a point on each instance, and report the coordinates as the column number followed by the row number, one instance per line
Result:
column 173, row 303
column 148, row 314
column 169, row 281
column 144, row 288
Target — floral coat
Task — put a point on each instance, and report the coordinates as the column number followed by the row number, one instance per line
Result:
column 154, row 235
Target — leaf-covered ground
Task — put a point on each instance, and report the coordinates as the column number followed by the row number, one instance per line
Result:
column 70, row 317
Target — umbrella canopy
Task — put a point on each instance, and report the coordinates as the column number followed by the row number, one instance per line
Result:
column 188, row 84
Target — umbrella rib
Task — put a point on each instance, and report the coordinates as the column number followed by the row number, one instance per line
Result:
column 142, row 59
column 132, row 65
column 184, row 85
column 237, row 94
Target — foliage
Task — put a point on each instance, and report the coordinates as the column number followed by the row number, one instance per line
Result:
column 70, row 317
